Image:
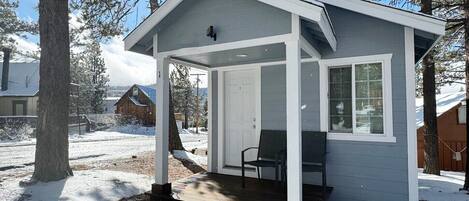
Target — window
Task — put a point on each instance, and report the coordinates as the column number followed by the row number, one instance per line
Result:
column 358, row 98
column 462, row 113
column 135, row 92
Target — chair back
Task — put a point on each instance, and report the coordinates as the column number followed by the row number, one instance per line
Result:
column 314, row 146
column 271, row 143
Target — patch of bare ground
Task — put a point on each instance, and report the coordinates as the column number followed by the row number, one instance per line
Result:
column 144, row 163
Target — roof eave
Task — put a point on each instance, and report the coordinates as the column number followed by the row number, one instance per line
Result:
column 311, row 10
column 415, row 20
column 143, row 28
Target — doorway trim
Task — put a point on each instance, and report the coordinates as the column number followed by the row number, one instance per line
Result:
column 221, row 118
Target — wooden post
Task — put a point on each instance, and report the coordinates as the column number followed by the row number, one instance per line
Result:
column 293, row 77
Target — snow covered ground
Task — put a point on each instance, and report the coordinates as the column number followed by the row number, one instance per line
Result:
column 87, row 185
column 18, row 157
column 442, row 188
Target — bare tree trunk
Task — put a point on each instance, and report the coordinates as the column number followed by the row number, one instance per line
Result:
column 466, row 44
column 429, row 111
column 52, row 159
column 429, row 107
column 175, row 142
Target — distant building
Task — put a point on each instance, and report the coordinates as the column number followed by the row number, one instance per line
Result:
column 19, row 89
column 110, row 105
column 139, row 102
column 451, row 122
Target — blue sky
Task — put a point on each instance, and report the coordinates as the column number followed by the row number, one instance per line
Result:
column 124, row 68
column 28, row 10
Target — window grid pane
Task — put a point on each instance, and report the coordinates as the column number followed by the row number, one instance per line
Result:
column 369, row 99
column 340, row 99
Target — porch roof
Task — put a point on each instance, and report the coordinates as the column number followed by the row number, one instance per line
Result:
column 311, row 11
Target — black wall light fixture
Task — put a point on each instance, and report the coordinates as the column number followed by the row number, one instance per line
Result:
column 211, row 33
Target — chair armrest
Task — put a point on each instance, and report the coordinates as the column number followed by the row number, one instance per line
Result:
column 247, row 149
column 242, row 153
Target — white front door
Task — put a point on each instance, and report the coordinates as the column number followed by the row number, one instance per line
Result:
column 240, row 112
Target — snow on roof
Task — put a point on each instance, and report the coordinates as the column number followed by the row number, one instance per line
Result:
column 23, row 79
column 444, row 102
column 112, row 98
column 136, row 102
column 150, row 92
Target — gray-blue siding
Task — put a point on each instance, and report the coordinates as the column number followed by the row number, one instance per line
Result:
column 357, row 170
column 233, row 20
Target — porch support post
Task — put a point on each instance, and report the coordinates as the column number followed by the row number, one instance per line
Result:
column 293, row 77
column 162, row 121
column 161, row 189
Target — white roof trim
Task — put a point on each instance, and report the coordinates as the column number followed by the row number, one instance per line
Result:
column 414, row 20
column 311, row 10
column 148, row 24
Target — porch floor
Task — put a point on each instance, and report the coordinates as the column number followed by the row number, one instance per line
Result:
column 210, row 186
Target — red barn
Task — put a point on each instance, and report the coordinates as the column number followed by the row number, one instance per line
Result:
column 451, row 131
column 139, row 102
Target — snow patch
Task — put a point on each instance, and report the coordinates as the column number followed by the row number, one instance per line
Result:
column 85, row 185
column 135, row 129
column 200, row 160
column 442, row 188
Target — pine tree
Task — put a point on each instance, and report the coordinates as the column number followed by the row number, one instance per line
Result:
column 205, row 114
column 102, row 19
column 466, row 45
column 99, row 79
column 11, row 25
column 52, row 158
column 431, row 155
column 183, row 97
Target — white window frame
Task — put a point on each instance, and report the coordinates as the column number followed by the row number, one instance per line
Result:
column 324, row 66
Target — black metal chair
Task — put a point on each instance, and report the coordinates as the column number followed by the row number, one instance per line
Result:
column 272, row 146
column 313, row 156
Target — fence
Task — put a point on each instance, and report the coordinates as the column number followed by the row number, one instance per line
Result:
column 449, row 159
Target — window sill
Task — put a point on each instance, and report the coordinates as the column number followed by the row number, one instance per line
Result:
column 360, row 138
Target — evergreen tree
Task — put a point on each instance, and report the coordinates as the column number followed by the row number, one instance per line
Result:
column 99, row 80
column 52, row 158
column 101, row 19
column 205, row 114
column 88, row 70
column 431, row 155
column 11, row 25
column 183, row 97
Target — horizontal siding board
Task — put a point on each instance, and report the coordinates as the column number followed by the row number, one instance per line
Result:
column 233, row 21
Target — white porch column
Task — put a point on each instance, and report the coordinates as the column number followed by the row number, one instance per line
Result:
column 162, row 117
column 293, row 73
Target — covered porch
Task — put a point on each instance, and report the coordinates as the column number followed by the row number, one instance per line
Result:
column 235, row 113
column 235, row 121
